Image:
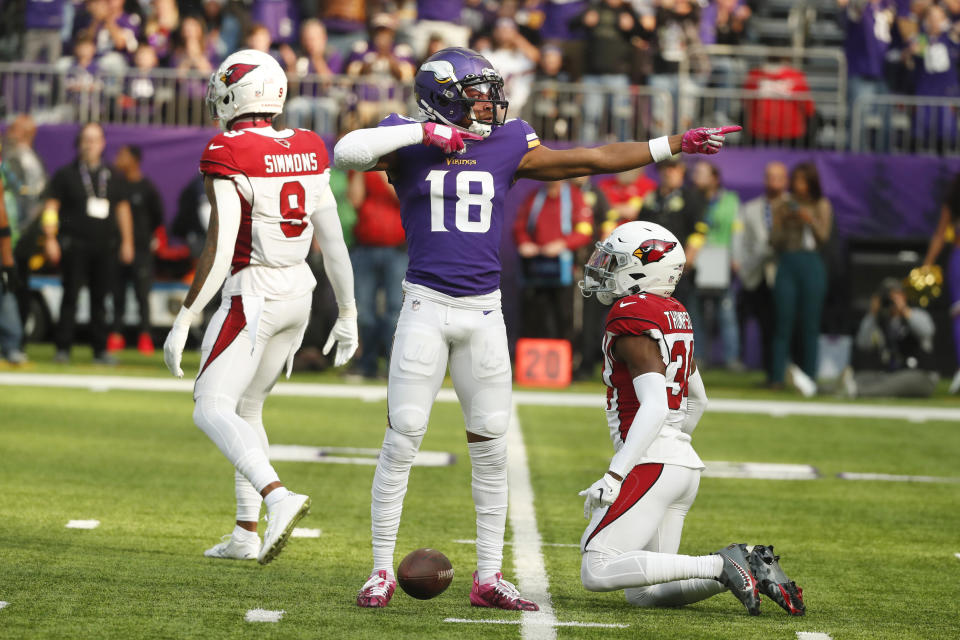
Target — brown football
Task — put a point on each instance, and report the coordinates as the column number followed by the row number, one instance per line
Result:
column 424, row 573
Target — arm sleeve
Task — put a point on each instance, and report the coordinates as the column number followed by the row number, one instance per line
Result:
column 696, row 402
column 228, row 224
column 362, row 149
column 329, row 235
column 651, row 392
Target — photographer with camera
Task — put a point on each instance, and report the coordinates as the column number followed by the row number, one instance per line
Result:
column 894, row 347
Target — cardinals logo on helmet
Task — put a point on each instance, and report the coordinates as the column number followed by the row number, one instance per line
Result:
column 236, row 71
column 653, row 250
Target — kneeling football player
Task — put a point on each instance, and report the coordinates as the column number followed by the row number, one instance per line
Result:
column 655, row 397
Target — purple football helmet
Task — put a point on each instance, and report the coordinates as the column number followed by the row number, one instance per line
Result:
column 441, row 85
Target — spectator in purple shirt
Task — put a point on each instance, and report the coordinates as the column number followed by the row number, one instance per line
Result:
column 314, row 99
column 160, row 27
column 43, row 22
column 113, row 30
column 935, row 54
column 438, row 16
column 279, row 16
column 561, row 28
column 869, row 31
column 81, row 78
column 479, row 15
column 385, row 63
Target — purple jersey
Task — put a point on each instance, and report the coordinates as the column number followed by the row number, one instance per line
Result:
column 935, row 71
column 559, row 15
column 869, row 34
column 442, row 10
column 451, row 207
column 44, row 14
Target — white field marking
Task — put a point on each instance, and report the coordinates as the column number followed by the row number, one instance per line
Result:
column 4, row 603
column 759, row 470
column 83, row 524
column 886, row 477
column 300, row 532
column 957, row 556
column 263, row 615
column 527, row 553
column 538, row 398
column 542, row 544
column 352, row 455
column 601, row 625
column 813, row 635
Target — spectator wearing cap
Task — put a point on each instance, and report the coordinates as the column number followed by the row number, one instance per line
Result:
column 313, row 99
column 441, row 17
column 516, row 60
column 382, row 64
column 43, row 23
column 612, row 31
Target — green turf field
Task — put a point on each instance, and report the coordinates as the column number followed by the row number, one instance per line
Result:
column 875, row 559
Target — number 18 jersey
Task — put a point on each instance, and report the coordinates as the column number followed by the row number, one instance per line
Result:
column 280, row 177
column 665, row 321
column 451, row 206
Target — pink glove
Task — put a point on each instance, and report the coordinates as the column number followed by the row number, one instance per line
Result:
column 705, row 140
column 449, row 139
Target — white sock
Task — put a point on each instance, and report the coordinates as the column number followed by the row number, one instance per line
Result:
column 275, row 496
column 389, row 488
column 601, row 572
column 242, row 535
column 248, row 500
column 237, row 440
column 489, row 484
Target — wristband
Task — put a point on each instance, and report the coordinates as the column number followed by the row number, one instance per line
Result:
column 5, row 232
column 348, row 309
column 660, row 149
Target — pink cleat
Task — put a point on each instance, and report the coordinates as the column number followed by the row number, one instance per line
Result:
column 377, row 590
column 499, row 594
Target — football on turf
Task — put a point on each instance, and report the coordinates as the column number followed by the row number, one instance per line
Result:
column 424, row 573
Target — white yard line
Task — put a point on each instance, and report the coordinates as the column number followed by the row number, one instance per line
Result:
column 887, row 477
column 601, row 625
column 300, row 532
column 813, row 635
column 527, row 552
column 538, row 398
column 83, row 524
column 4, row 603
column 263, row 615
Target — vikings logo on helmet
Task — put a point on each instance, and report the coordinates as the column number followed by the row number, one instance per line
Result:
column 236, row 72
column 653, row 250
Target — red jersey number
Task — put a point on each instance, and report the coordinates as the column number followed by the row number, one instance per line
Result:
column 292, row 198
column 680, row 361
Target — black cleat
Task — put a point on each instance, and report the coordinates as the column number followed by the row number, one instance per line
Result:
column 738, row 577
column 774, row 582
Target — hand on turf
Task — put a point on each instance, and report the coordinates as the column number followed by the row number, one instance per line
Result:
column 449, row 139
column 345, row 334
column 704, row 140
column 176, row 340
column 601, row 493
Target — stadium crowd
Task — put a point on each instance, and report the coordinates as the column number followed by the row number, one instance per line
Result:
column 755, row 260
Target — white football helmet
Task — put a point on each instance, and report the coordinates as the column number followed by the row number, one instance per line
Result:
column 638, row 257
column 248, row 81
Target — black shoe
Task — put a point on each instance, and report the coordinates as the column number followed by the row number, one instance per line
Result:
column 738, row 577
column 774, row 582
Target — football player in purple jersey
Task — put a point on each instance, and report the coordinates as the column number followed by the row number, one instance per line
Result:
column 452, row 167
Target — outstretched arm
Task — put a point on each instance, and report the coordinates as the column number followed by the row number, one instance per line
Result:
column 365, row 149
column 542, row 163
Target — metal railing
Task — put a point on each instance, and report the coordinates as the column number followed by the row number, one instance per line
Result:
column 905, row 124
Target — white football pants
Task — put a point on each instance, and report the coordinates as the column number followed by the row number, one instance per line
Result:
column 633, row 544
column 432, row 333
column 236, row 374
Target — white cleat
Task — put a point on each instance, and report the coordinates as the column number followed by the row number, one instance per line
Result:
column 281, row 520
column 230, row 549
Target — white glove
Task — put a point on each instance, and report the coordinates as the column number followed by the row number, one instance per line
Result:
column 345, row 334
column 176, row 339
column 601, row 493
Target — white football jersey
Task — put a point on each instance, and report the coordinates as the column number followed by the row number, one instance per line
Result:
column 280, row 177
